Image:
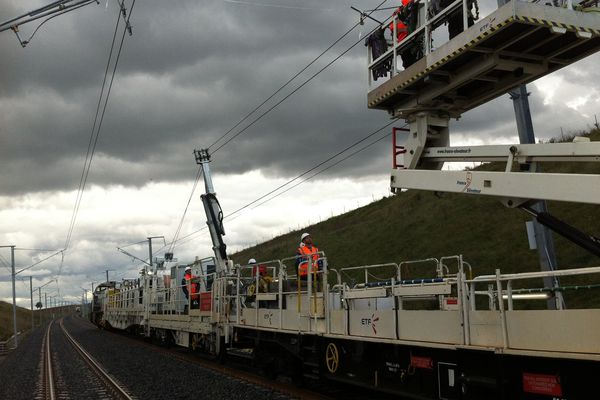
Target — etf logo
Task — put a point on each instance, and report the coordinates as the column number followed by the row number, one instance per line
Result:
column 370, row 321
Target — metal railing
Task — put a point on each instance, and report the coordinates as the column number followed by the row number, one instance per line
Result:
column 427, row 31
column 498, row 292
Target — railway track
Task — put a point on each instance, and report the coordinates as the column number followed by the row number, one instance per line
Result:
column 236, row 368
column 68, row 371
column 47, row 388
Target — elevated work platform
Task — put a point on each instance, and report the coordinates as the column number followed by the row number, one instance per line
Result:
column 516, row 44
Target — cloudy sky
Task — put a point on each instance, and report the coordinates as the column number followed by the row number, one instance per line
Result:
column 190, row 72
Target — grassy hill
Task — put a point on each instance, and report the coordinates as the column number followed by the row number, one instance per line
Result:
column 24, row 318
column 418, row 224
column 6, row 320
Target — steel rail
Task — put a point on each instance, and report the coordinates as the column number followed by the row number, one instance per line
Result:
column 234, row 371
column 95, row 366
column 48, row 374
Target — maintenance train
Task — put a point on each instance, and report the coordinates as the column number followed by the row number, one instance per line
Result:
column 445, row 333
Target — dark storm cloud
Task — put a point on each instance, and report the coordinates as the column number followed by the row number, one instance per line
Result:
column 189, row 73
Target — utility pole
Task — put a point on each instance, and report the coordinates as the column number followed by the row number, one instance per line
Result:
column 40, row 305
column 14, row 296
column 31, row 297
column 150, row 250
column 107, row 275
column 12, row 266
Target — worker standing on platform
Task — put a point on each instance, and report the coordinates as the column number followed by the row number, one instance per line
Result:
column 306, row 250
column 455, row 19
column 406, row 18
column 190, row 287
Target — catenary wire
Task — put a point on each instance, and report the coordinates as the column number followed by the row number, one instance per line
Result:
column 288, row 82
column 232, row 215
column 292, row 92
column 175, row 238
column 73, row 8
column 93, row 148
column 296, row 178
column 325, row 169
column 174, row 241
column 92, row 134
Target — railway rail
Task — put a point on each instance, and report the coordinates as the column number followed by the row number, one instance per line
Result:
column 238, row 371
column 47, row 384
column 54, row 382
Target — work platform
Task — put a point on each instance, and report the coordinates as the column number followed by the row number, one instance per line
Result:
column 516, row 44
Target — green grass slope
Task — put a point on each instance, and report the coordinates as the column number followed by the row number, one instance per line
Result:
column 6, row 320
column 418, row 224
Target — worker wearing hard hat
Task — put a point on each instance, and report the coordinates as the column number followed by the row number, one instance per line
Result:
column 190, row 286
column 261, row 270
column 406, row 18
column 305, row 251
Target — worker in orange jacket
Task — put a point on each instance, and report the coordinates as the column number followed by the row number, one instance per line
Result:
column 401, row 27
column 191, row 287
column 306, row 250
column 406, row 22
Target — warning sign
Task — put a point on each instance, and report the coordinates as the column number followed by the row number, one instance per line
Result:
column 421, row 362
column 542, row 384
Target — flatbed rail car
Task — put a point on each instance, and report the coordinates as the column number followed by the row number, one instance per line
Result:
column 446, row 336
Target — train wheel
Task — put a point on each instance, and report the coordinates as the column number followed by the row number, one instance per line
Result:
column 332, row 358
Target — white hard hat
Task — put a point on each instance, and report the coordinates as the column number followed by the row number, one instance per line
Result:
column 252, row 261
column 303, row 236
column 188, row 268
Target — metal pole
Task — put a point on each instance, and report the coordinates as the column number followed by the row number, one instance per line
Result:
column 150, row 252
column 40, row 301
column 107, row 276
column 31, row 296
column 12, row 263
column 543, row 236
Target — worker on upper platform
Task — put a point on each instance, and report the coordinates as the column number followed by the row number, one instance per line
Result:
column 305, row 251
column 406, row 18
column 455, row 19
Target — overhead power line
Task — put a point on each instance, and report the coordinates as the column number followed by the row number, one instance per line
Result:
column 198, row 175
column 228, row 216
column 98, row 119
column 287, row 83
column 255, row 109
column 51, row 10
column 326, row 168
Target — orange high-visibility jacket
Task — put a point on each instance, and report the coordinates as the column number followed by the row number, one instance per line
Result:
column 194, row 285
column 305, row 251
column 401, row 27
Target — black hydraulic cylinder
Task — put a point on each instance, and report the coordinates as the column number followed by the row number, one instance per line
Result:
column 589, row 242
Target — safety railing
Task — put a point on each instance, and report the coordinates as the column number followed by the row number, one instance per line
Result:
column 432, row 279
column 272, row 284
column 500, row 290
column 427, row 35
column 316, row 281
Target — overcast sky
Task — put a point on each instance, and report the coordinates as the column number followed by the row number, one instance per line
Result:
column 191, row 71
